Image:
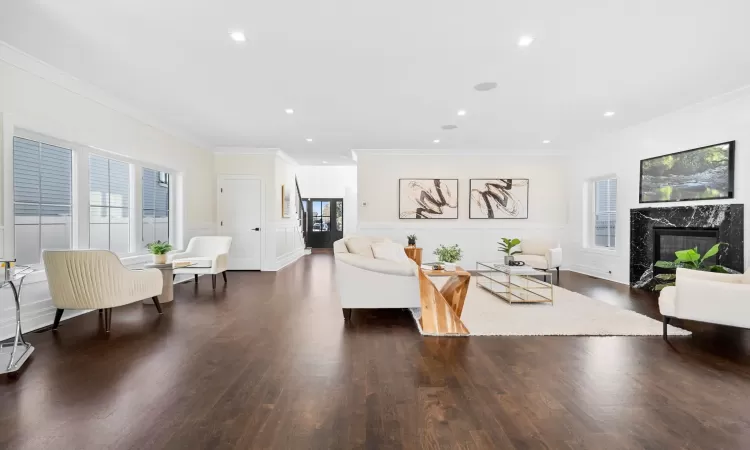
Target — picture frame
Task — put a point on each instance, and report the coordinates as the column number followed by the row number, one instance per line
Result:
column 428, row 198
column 495, row 198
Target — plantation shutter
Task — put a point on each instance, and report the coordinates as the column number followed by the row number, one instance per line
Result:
column 605, row 202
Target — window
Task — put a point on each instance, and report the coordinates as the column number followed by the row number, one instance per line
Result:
column 42, row 198
column 321, row 215
column 339, row 215
column 605, row 212
column 109, row 202
column 155, row 225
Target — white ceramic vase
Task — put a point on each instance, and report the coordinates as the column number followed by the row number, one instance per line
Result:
column 449, row 267
column 160, row 259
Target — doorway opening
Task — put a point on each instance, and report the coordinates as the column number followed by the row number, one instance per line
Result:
column 325, row 221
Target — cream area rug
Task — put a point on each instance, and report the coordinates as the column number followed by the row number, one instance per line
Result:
column 572, row 314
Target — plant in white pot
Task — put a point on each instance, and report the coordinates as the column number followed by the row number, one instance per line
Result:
column 449, row 256
column 506, row 246
column 159, row 249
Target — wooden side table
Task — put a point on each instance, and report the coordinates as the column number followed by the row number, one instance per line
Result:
column 414, row 253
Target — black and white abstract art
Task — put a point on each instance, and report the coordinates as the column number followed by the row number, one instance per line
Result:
column 500, row 198
column 428, row 199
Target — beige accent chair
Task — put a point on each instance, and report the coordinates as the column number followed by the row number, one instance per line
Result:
column 541, row 254
column 209, row 255
column 719, row 298
column 96, row 279
column 365, row 281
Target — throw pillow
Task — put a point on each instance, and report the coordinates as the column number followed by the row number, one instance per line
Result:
column 360, row 246
column 389, row 251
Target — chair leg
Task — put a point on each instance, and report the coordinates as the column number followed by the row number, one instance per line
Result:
column 156, row 303
column 558, row 276
column 213, row 281
column 107, row 319
column 666, row 320
column 58, row 316
column 196, row 278
column 224, row 274
column 101, row 311
column 173, row 277
column 347, row 314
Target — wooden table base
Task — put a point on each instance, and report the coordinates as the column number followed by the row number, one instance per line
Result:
column 441, row 309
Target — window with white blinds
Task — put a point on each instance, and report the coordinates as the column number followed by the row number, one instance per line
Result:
column 605, row 212
column 109, row 203
column 155, row 207
column 42, row 198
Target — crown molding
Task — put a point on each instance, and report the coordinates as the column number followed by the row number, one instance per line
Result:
column 456, row 152
column 34, row 66
column 256, row 151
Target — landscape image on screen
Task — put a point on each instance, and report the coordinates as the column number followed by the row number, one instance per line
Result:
column 698, row 174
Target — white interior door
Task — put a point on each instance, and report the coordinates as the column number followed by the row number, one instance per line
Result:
column 240, row 217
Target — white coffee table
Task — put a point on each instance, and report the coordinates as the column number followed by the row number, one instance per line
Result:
column 515, row 284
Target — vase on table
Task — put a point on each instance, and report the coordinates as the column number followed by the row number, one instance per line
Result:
column 508, row 259
column 449, row 267
column 160, row 259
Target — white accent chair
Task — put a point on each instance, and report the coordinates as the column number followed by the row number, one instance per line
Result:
column 366, row 282
column 541, row 254
column 718, row 298
column 209, row 255
column 96, row 279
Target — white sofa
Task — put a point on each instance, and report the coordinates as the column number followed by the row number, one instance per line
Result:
column 367, row 282
column 96, row 279
column 209, row 255
column 541, row 254
column 707, row 297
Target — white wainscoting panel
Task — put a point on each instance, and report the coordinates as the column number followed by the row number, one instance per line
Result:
column 289, row 243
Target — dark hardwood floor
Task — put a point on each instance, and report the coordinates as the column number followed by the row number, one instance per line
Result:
column 267, row 362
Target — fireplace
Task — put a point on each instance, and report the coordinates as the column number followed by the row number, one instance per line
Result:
column 656, row 233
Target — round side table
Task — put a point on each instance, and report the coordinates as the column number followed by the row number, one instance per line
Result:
column 167, row 291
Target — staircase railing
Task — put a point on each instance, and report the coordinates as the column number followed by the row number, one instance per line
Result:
column 302, row 214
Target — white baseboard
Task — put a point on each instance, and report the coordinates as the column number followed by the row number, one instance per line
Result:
column 593, row 272
column 285, row 260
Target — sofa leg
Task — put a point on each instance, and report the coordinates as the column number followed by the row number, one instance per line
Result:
column 666, row 320
column 224, row 274
column 58, row 316
column 558, row 276
column 196, row 279
column 156, row 303
column 213, row 282
column 107, row 319
column 347, row 314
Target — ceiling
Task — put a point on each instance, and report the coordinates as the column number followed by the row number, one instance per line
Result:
column 388, row 74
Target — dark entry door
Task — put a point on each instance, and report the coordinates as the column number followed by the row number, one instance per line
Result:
column 325, row 221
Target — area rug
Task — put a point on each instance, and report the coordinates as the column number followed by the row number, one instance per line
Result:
column 572, row 314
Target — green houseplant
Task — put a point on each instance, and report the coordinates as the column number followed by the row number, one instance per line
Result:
column 411, row 240
column 449, row 255
column 687, row 259
column 506, row 246
column 159, row 249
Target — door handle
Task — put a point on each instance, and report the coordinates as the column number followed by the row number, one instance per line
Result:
column 255, row 229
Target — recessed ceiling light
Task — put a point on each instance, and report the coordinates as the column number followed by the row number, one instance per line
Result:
column 487, row 86
column 289, row 111
column 525, row 41
column 437, row 141
column 609, row 114
column 461, row 112
column 325, row 162
column 309, row 139
column 449, row 127
column 546, row 142
column 237, row 36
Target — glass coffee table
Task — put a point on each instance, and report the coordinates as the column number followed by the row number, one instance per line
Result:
column 515, row 284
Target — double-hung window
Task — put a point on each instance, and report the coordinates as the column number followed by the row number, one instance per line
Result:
column 155, row 206
column 42, row 198
column 605, row 212
column 109, row 204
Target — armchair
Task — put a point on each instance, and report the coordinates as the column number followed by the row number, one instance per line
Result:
column 718, row 298
column 541, row 254
column 209, row 255
column 96, row 279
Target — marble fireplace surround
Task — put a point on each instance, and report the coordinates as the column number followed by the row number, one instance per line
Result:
column 728, row 218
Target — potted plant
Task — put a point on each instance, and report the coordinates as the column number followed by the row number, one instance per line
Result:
column 159, row 249
column 449, row 256
column 506, row 246
column 688, row 259
column 411, row 240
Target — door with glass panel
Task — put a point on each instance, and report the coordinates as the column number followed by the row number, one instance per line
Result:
column 325, row 221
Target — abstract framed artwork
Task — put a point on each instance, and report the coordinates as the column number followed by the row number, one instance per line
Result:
column 705, row 173
column 286, row 202
column 499, row 198
column 428, row 198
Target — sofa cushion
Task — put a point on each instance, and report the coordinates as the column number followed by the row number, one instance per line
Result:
column 361, row 246
column 389, row 251
column 535, row 261
column 667, row 301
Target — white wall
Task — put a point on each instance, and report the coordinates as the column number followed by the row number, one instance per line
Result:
column 40, row 99
column 332, row 182
column 282, row 236
column 722, row 119
column 378, row 176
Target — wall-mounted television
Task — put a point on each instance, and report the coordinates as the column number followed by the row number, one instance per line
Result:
column 705, row 173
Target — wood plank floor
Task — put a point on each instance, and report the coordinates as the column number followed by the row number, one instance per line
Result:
column 267, row 362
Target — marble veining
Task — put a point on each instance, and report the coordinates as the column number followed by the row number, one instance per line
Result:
column 728, row 218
